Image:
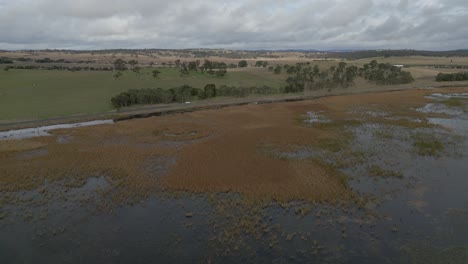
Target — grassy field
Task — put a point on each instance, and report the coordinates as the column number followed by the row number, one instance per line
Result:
column 32, row 94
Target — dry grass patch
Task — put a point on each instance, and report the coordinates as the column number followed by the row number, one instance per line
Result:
column 19, row 145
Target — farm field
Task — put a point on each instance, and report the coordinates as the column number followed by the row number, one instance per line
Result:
column 42, row 94
column 38, row 94
column 321, row 180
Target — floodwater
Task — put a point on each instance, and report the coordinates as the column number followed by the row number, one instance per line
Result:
column 416, row 212
column 44, row 130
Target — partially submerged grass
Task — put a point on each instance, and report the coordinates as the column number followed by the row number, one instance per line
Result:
column 377, row 171
column 350, row 158
column 383, row 134
column 337, row 124
column 454, row 102
column 427, row 145
column 334, row 145
column 404, row 122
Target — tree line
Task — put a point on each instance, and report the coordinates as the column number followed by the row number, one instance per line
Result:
column 55, row 67
column 385, row 74
column 210, row 67
column 308, row 77
column 6, row 61
column 185, row 68
column 452, row 77
column 184, row 93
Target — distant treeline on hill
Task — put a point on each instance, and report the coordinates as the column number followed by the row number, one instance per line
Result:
column 181, row 53
column 362, row 54
column 48, row 60
column 5, row 61
column 184, row 93
column 452, row 77
column 58, row 68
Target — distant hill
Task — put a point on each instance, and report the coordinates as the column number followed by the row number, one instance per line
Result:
column 361, row 54
column 253, row 54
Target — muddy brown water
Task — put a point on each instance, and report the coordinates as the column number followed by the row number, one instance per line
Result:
column 420, row 217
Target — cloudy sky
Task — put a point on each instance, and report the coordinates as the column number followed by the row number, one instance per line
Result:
column 238, row 24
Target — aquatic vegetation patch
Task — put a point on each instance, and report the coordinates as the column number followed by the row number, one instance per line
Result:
column 377, row 171
column 403, row 121
column 340, row 124
column 427, row 145
column 334, row 145
column 455, row 102
column 383, row 134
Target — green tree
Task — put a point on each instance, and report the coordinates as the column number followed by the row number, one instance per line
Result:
column 133, row 63
column 192, row 66
column 210, row 90
column 155, row 73
column 242, row 64
column 119, row 65
column 277, row 69
column 221, row 72
column 207, row 66
column 184, row 70
column 136, row 70
column 117, row 75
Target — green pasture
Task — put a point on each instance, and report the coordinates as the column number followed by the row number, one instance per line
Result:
column 33, row 94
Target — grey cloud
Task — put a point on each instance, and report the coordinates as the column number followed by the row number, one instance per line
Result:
column 242, row 24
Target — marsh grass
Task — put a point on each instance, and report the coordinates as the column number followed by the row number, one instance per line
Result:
column 350, row 158
column 377, row 171
column 19, row 145
column 383, row 134
column 427, row 145
column 334, row 145
column 337, row 124
column 405, row 122
column 454, row 102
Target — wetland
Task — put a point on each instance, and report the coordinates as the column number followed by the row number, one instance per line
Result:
column 365, row 178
